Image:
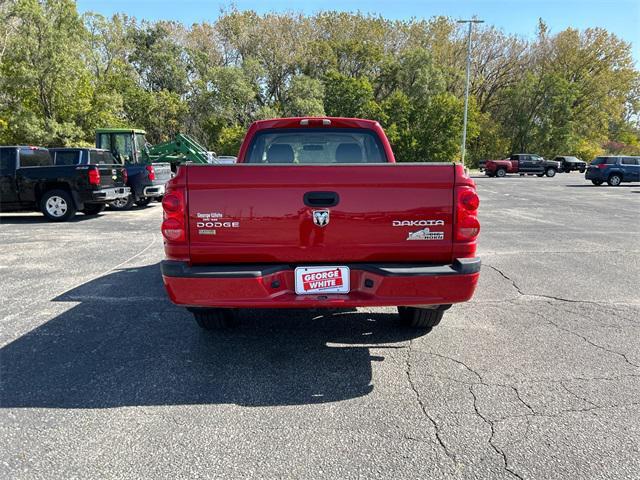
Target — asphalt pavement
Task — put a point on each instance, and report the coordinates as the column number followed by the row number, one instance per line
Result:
column 537, row 377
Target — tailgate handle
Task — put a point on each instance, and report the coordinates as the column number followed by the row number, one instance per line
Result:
column 321, row 199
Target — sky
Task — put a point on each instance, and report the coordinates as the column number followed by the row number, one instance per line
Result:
column 621, row 17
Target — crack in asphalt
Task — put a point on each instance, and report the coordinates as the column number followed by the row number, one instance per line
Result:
column 560, row 299
column 481, row 380
column 590, row 342
column 491, row 425
column 423, row 407
column 537, row 295
column 568, row 410
column 571, row 392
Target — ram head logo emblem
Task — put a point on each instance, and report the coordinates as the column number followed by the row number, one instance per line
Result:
column 321, row 217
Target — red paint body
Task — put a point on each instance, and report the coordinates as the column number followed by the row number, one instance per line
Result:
column 511, row 166
column 254, row 214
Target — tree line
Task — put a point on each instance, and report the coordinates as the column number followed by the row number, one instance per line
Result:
column 63, row 74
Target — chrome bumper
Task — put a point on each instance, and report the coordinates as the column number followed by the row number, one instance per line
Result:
column 109, row 194
column 154, row 191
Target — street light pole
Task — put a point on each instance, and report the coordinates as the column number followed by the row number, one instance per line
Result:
column 466, row 88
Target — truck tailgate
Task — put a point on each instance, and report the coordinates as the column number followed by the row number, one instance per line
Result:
column 110, row 175
column 162, row 172
column 265, row 213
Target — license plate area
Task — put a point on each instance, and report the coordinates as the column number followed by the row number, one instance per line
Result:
column 315, row 280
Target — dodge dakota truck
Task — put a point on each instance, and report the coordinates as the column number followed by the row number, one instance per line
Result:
column 30, row 181
column 522, row 163
column 317, row 213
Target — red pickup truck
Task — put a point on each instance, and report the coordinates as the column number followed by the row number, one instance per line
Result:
column 522, row 163
column 317, row 213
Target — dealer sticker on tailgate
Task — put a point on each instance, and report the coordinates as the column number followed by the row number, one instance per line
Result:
column 322, row 280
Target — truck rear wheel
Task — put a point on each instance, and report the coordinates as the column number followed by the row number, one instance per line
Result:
column 423, row 318
column 501, row 172
column 597, row 183
column 144, row 202
column 122, row 203
column 57, row 205
column 214, row 318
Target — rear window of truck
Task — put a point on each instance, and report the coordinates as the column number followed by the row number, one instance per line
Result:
column 67, row 158
column 34, row 157
column 316, row 146
column 101, row 158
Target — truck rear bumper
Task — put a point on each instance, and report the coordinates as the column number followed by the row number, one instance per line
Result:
column 153, row 191
column 109, row 194
column 273, row 286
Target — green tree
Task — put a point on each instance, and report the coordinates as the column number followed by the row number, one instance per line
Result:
column 350, row 97
column 46, row 86
column 304, row 97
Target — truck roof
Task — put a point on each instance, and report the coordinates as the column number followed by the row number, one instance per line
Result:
column 93, row 149
column 302, row 122
column 33, row 147
column 120, row 130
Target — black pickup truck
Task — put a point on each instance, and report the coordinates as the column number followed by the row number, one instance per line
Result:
column 30, row 181
column 146, row 181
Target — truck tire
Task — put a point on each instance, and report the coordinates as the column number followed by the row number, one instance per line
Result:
column 57, row 205
column 582, row 170
column 422, row 318
column 597, row 183
column 614, row 179
column 144, row 202
column 501, row 172
column 214, row 318
column 551, row 172
column 122, row 203
column 93, row 209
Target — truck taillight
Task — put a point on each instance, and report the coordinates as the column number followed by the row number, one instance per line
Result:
column 174, row 224
column 151, row 172
column 94, row 176
column 602, row 165
column 125, row 176
column 467, row 224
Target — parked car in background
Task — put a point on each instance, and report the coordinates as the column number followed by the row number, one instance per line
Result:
column 317, row 214
column 570, row 164
column 522, row 163
column 30, row 181
column 146, row 181
column 482, row 165
column 614, row 170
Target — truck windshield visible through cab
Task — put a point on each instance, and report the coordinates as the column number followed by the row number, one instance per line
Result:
column 97, row 157
column 316, row 146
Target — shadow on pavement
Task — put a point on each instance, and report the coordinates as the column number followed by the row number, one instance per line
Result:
column 125, row 344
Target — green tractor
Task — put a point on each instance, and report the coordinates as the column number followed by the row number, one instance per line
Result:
column 130, row 146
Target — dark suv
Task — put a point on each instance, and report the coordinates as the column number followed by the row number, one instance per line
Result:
column 614, row 170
